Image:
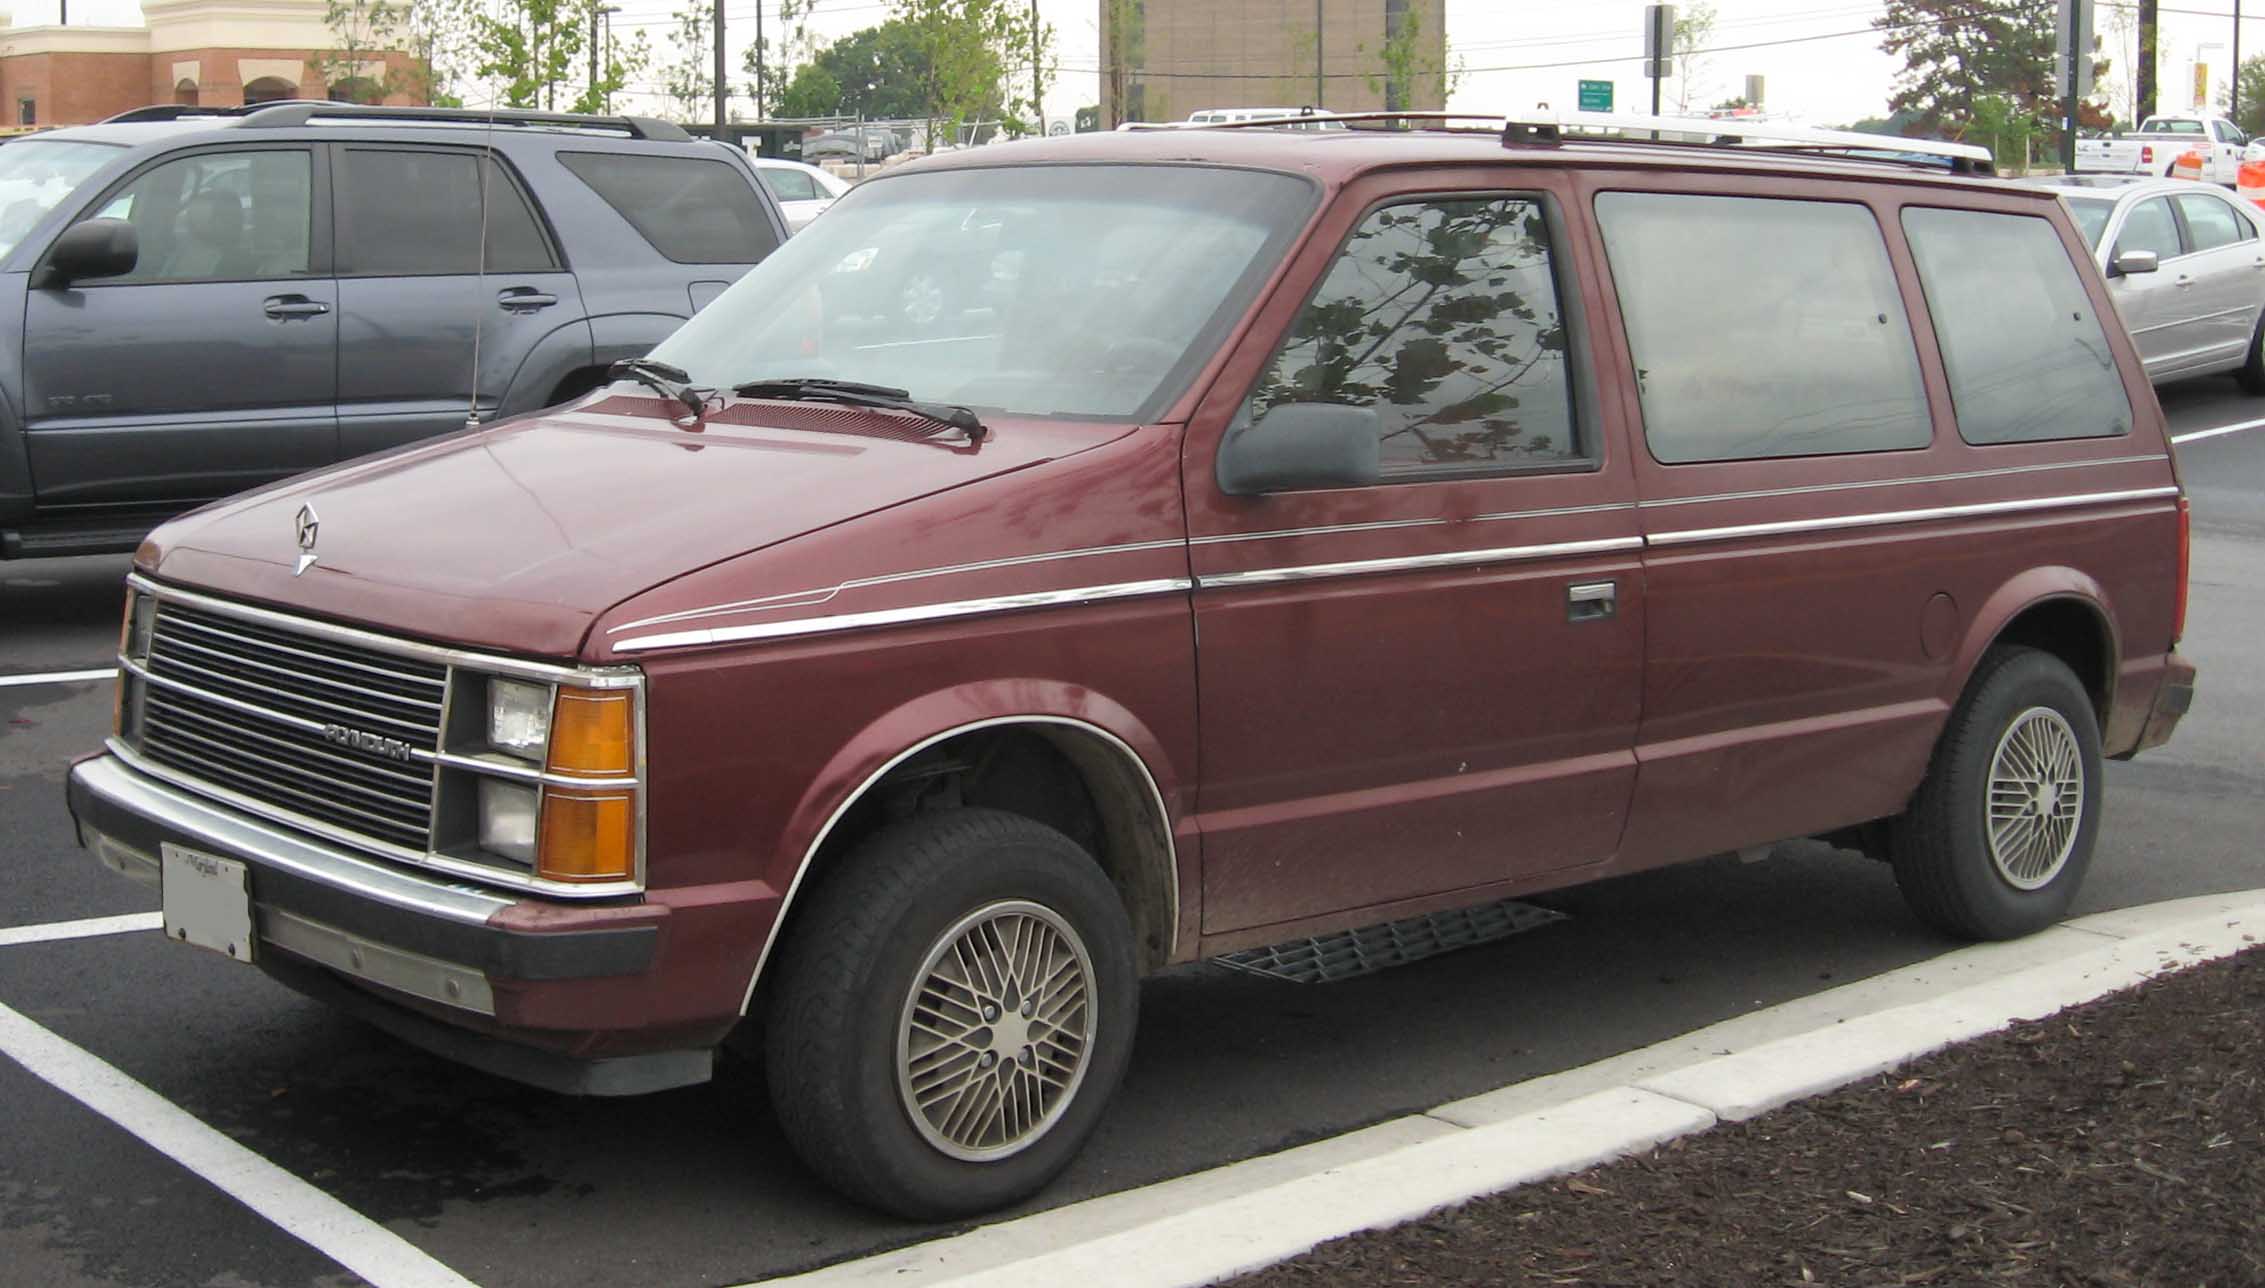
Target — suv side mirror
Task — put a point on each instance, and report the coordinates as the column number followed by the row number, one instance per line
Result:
column 1302, row 445
column 2128, row 262
column 92, row 248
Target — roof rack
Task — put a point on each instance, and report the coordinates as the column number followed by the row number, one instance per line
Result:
column 286, row 115
column 185, row 111
column 1662, row 131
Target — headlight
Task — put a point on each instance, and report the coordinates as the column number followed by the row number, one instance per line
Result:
column 519, row 717
column 507, row 820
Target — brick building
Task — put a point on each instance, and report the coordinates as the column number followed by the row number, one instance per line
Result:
column 1164, row 59
column 206, row 52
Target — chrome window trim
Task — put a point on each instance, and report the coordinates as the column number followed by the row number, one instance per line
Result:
column 1414, row 563
column 1119, row 745
column 1962, row 476
column 1689, row 536
column 816, row 596
column 1382, row 525
column 905, row 616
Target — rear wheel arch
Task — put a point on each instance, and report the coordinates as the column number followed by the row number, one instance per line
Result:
column 2058, row 611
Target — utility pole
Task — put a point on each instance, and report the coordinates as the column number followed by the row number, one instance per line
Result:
column 1659, row 47
column 594, row 6
column 2145, row 76
column 2233, row 87
column 723, row 87
column 761, row 57
column 1319, row 99
column 1037, row 86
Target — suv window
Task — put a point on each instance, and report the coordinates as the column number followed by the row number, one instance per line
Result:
column 2150, row 226
column 2212, row 223
column 788, row 185
column 2025, row 353
column 410, row 213
column 220, row 216
column 1763, row 327
column 692, row 211
column 1442, row 315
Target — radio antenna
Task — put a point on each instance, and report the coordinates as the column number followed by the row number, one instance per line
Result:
column 486, row 162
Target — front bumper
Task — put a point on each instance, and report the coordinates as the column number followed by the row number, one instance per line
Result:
column 437, row 968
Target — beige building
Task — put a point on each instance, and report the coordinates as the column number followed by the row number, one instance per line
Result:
column 1162, row 60
column 201, row 52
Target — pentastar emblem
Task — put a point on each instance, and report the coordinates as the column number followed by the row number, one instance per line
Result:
column 309, row 529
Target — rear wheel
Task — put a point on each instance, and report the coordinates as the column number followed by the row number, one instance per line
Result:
column 952, row 1014
column 1999, row 836
column 2251, row 374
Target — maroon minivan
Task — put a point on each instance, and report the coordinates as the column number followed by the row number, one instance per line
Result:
column 1071, row 558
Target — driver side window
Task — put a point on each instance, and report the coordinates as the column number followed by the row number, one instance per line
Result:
column 220, row 217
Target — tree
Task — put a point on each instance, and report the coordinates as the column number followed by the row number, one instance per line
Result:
column 1124, row 45
column 365, row 31
column 875, row 73
column 529, row 47
column 1405, row 64
column 964, row 49
column 689, row 81
column 775, row 59
column 812, row 92
column 2252, row 81
column 1694, row 28
column 2000, row 125
column 1957, row 54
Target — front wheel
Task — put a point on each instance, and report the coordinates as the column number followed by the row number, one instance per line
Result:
column 953, row 1012
column 1997, row 839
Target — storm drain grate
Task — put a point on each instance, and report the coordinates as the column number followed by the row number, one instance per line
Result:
column 1369, row 949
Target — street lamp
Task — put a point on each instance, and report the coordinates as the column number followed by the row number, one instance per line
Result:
column 601, row 17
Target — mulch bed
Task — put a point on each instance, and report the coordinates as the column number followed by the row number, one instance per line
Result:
column 2120, row 1142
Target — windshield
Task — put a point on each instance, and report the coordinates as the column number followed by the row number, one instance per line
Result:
column 36, row 174
column 2091, row 215
column 1089, row 291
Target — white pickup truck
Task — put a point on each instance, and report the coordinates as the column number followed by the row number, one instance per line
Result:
column 2161, row 141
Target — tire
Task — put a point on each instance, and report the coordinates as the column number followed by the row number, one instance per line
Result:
column 2251, row 374
column 2024, row 719
column 850, row 988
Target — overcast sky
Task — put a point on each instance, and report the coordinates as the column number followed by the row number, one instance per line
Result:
column 1820, row 59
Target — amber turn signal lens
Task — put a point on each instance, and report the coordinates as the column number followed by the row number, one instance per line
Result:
column 587, row 836
column 592, row 733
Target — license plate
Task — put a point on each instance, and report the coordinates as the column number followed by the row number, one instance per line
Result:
column 208, row 900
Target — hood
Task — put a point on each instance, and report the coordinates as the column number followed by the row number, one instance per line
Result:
column 514, row 537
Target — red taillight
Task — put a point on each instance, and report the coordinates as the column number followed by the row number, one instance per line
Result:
column 2146, row 155
column 2185, row 537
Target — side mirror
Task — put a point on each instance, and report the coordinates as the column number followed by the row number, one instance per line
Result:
column 2130, row 262
column 1297, row 446
column 92, row 248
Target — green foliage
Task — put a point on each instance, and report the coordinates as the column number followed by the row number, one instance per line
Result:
column 2008, row 132
column 812, row 92
column 364, row 31
column 2251, row 117
column 1694, row 27
column 688, row 82
column 964, row 50
column 1124, row 42
column 529, row 47
column 1957, row 54
column 1404, row 62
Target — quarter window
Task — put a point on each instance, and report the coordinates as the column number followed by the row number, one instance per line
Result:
column 219, row 216
column 692, row 211
column 1763, row 327
column 2149, row 226
column 1443, row 316
column 2211, row 223
column 789, row 185
column 2025, row 352
column 406, row 213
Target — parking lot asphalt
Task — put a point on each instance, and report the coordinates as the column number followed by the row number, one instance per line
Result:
column 509, row 1186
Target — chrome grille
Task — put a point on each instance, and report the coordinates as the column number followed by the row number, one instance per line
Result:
column 253, row 723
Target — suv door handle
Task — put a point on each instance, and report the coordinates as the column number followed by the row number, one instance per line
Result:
column 293, row 306
column 1592, row 601
column 523, row 297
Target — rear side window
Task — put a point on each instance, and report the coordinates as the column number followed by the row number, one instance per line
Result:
column 789, row 185
column 2149, row 226
column 2211, row 223
column 1762, row 327
column 692, row 211
column 408, row 213
column 2026, row 355
column 1442, row 315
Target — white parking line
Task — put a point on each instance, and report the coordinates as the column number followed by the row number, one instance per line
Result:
column 2217, row 430
column 354, row 1241
column 87, row 929
column 57, row 677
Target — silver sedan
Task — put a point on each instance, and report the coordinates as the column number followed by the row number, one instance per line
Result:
column 2185, row 264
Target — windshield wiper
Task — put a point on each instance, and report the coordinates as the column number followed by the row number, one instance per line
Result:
column 855, row 393
column 663, row 379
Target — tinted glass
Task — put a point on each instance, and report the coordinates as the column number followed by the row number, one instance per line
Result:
column 1441, row 315
column 788, row 185
column 219, row 216
column 1762, row 327
column 2149, row 226
column 692, row 211
column 2091, row 218
column 2211, row 223
column 35, row 174
column 2171, row 127
column 1066, row 291
column 2025, row 353
column 418, row 214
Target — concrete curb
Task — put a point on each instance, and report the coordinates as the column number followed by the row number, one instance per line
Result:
column 1205, row 1227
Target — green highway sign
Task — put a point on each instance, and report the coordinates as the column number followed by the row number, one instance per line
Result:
column 1596, row 96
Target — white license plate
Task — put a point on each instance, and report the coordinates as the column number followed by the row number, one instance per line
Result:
column 208, row 900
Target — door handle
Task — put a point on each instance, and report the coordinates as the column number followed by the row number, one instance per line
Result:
column 293, row 306
column 1592, row 601
column 2185, row 282
column 525, row 298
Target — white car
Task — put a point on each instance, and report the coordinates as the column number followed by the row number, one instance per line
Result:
column 804, row 191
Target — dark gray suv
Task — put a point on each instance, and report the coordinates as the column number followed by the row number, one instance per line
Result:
column 196, row 301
